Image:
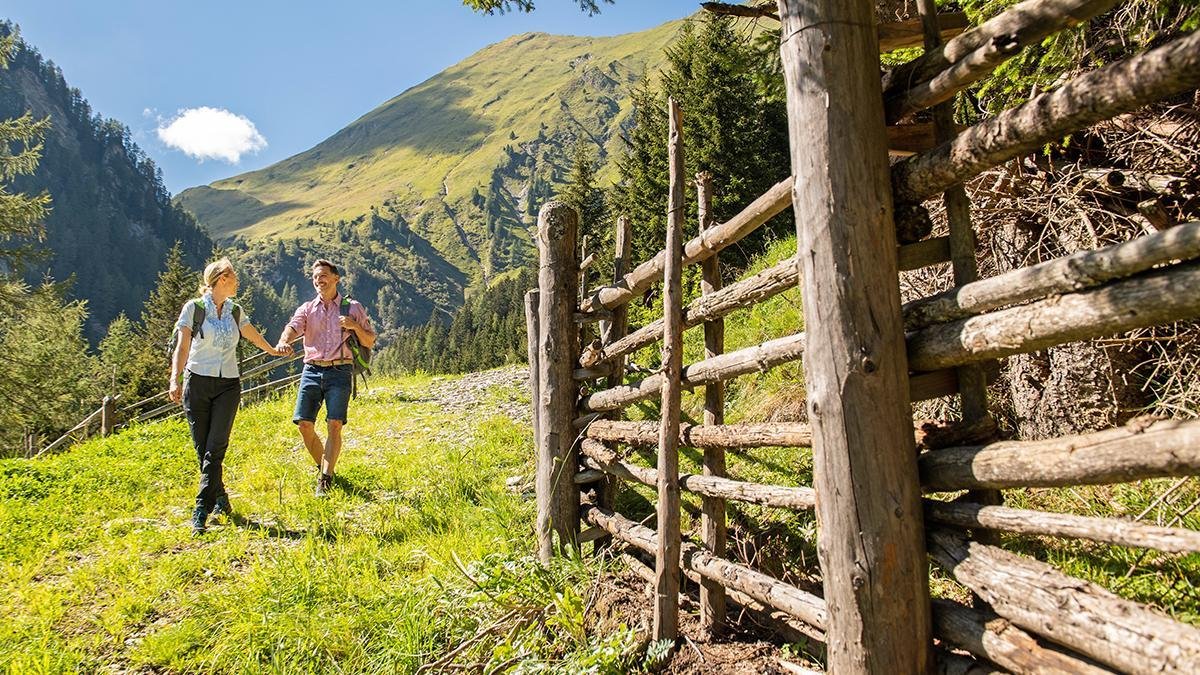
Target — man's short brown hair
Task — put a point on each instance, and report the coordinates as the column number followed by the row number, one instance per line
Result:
column 333, row 269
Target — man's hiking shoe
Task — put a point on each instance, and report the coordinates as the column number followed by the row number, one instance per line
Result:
column 198, row 517
column 223, row 509
column 324, row 484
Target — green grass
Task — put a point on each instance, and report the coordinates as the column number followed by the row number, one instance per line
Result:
column 98, row 569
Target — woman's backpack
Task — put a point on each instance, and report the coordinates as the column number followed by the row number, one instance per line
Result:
column 198, row 314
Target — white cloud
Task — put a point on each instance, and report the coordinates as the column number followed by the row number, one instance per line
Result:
column 211, row 133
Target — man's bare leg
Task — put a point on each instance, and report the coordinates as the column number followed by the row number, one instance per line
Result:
column 312, row 442
column 333, row 446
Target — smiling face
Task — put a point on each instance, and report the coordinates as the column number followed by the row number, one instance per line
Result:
column 325, row 281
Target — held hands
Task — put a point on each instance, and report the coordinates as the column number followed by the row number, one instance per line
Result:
column 283, row 349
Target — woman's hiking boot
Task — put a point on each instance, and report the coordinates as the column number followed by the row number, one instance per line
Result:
column 199, row 516
column 223, row 509
column 324, row 484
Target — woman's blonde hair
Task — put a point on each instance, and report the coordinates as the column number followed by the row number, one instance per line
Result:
column 213, row 272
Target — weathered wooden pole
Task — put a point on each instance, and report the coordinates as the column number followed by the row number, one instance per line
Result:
column 531, row 336
column 712, row 517
column 972, row 382
column 557, row 350
column 611, row 331
column 666, row 570
column 108, row 416
column 870, row 536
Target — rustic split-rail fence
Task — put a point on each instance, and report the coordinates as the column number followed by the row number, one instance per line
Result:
column 867, row 358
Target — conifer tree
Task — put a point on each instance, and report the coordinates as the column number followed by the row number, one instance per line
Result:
column 176, row 285
column 47, row 378
column 583, row 195
column 734, row 128
column 20, row 215
column 118, row 359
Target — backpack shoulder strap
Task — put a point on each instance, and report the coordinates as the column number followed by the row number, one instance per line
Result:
column 237, row 315
column 198, row 314
column 344, row 308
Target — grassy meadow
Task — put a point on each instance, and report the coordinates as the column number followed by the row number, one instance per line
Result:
column 99, row 570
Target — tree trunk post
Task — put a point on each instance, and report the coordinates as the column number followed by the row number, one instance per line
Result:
column 972, row 382
column 532, row 335
column 108, row 416
column 870, row 535
column 712, row 518
column 611, row 331
column 666, row 572
column 557, row 351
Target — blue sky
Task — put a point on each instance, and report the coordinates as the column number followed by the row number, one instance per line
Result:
column 297, row 71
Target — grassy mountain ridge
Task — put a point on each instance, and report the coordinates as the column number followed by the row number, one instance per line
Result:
column 463, row 159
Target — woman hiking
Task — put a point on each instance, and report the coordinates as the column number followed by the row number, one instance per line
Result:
column 204, row 375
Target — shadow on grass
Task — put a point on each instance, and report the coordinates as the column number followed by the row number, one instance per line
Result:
column 273, row 531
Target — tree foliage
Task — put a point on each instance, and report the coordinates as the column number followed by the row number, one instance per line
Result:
column 109, row 197
column 734, row 128
column 592, row 7
column 487, row 331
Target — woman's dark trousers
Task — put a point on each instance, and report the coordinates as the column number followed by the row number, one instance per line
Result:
column 211, row 403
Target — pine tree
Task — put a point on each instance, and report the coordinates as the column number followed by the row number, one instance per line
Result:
column 582, row 194
column 119, row 353
column 734, row 128
column 176, row 285
column 20, row 215
column 47, row 378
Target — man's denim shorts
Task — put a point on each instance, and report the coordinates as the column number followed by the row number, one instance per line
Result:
column 328, row 384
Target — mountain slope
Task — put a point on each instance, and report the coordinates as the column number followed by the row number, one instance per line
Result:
column 463, row 159
column 108, row 198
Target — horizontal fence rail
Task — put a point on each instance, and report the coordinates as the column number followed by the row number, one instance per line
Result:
column 1119, row 633
column 940, row 73
column 1136, row 451
column 763, row 588
column 1157, row 297
column 1064, row 275
column 1109, row 91
column 987, row 636
column 708, row 244
column 704, row 436
column 602, row 458
column 758, row 358
column 1025, row 521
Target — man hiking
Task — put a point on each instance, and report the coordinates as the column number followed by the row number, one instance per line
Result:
column 334, row 329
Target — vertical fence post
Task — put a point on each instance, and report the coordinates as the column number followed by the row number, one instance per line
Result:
column 972, row 382
column 712, row 518
column 666, row 571
column 108, row 416
column 870, row 539
column 531, row 336
column 611, row 331
column 557, row 352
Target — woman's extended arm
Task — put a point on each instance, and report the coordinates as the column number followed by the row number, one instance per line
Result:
column 251, row 333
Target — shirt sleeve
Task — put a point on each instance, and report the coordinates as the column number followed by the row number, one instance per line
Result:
column 245, row 319
column 185, row 316
column 360, row 315
column 299, row 319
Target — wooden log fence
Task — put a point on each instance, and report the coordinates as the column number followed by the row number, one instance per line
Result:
column 1072, row 612
column 866, row 358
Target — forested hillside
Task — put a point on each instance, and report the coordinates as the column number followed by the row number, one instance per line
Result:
column 107, row 197
column 450, row 174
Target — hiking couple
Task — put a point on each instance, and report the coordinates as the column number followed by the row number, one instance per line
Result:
column 205, row 377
